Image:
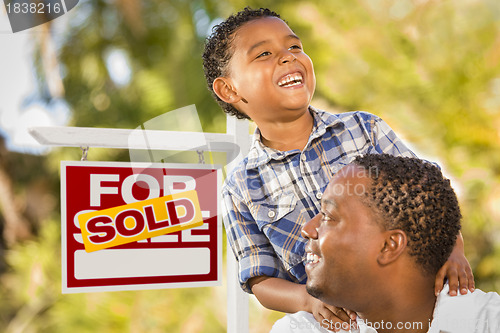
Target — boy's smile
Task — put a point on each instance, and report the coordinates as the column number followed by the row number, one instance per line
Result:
column 270, row 72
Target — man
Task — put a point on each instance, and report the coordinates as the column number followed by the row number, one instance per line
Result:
column 386, row 225
column 256, row 68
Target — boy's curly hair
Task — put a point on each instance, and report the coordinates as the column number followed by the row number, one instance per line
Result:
column 412, row 195
column 218, row 51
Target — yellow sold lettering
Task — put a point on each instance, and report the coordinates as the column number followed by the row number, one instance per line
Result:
column 140, row 220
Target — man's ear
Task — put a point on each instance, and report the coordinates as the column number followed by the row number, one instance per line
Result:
column 395, row 242
column 223, row 88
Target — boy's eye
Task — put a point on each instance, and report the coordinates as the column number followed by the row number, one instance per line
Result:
column 263, row 54
column 297, row 47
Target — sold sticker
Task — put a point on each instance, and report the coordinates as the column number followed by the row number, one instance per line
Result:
column 140, row 220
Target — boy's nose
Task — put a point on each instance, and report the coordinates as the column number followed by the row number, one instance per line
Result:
column 287, row 56
column 310, row 229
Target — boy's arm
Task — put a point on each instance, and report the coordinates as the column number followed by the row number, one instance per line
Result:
column 285, row 296
column 457, row 270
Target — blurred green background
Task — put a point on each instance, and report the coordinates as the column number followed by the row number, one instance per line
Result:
column 429, row 68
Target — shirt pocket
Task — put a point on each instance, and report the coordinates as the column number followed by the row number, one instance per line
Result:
column 277, row 219
column 272, row 210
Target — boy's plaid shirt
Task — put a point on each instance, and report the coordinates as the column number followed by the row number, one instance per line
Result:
column 271, row 194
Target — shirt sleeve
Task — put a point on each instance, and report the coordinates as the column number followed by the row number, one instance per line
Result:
column 386, row 141
column 252, row 249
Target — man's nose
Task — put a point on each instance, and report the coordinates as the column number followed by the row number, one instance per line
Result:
column 310, row 229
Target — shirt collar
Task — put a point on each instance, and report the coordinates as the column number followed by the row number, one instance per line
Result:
column 260, row 154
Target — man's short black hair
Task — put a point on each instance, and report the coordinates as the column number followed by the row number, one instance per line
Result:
column 218, row 50
column 412, row 195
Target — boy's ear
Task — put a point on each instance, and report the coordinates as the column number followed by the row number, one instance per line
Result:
column 395, row 242
column 223, row 88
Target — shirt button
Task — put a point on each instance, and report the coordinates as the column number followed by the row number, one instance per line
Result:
column 319, row 195
column 303, row 157
column 271, row 214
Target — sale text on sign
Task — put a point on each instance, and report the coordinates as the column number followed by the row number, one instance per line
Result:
column 140, row 226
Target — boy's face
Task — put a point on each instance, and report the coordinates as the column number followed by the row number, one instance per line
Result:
column 270, row 71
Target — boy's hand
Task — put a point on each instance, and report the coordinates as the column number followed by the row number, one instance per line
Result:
column 458, row 271
column 331, row 317
column 285, row 296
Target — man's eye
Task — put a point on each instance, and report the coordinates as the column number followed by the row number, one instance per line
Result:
column 328, row 218
column 263, row 54
column 325, row 217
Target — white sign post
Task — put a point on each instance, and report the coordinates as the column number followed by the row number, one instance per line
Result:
column 235, row 143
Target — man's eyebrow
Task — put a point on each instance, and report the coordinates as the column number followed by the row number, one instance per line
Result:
column 329, row 202
column 290, row 36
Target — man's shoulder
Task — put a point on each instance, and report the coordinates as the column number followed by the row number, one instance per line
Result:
column 476, row 299
column 478, row 311
column 299, row 322
column 304, row 322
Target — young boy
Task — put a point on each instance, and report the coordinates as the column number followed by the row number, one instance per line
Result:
column 256, row 68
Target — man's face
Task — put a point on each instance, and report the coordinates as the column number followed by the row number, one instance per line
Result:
column 270, row 70
column 344, row 240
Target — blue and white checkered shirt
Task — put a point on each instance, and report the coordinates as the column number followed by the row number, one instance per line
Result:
column 269, row 196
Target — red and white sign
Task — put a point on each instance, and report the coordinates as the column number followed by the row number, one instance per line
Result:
column 185, row 258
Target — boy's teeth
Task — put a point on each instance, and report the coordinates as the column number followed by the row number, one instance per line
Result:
column 290, row 80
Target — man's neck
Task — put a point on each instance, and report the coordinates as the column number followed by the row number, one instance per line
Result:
column 287, row 135
column 408, row 312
